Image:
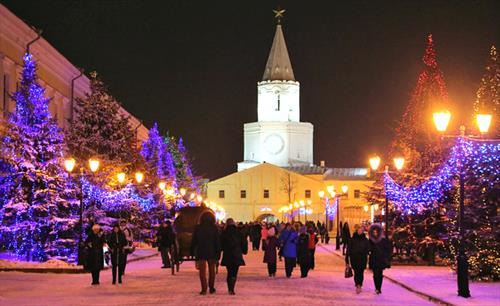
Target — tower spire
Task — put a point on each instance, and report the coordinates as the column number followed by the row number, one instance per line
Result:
column 278, row 67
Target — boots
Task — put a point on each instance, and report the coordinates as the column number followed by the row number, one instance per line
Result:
column 231, row 282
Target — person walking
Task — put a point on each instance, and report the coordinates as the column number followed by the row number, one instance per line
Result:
column 313, row 240
column 263, row 236
column 116, row 243
column 234, row 246
column 166, row 240
column 130, row 240
column 356, row 257
column 272, row 244
column 380, row 254
column 346, row 235
column 95, row 256
column 255, row 235
column 288, row 239
column 205, row 247
column 322, row 232
column 303, row 253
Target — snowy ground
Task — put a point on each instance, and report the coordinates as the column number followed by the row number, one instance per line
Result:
column 441, row 283
column 146, row 284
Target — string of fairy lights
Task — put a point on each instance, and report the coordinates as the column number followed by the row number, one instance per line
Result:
column 477, row 156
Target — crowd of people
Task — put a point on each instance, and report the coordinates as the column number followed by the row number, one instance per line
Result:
column 227, row 242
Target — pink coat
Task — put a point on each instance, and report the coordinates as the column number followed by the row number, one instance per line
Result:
column 263, row 233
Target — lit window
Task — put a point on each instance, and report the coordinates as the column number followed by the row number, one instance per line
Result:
column 222, row 194
column 357, row 193
column 243, row 194
column 308, row 194
column 266, row 194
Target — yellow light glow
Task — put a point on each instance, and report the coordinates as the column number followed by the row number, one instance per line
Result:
column 333, row 194
column 162, row 185
column 321, row 193
column 374, row 162
column 139, row 177
column 365, row 208
column 309, row 202
column 69, row 164
column 483, row 122
column 302, row 203
column 375, row 206
column 399, row 162
column 170, row 191
column 441, row 120
column 199, row 198
column 192, row 195
column 93, row 164
column 120, row 177
column 182, row 191
column 330, row 189
column 296, row 204
column 290, row 206
column 345, row 188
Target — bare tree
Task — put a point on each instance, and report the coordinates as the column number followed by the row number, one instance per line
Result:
column 288, row 185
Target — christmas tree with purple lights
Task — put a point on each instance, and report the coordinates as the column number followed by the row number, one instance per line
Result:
column 37, row 206
column 158, row 158
column 184, row 173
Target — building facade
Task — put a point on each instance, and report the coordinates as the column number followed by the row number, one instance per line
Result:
column 278, row 169
column 63, row 81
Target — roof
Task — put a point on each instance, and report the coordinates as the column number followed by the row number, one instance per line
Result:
column 278, row 67
column 312, row 169
column 346, row 174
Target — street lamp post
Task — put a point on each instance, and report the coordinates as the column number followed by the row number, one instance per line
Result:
column 441, row 120
column 344, row 189
column 69, row 165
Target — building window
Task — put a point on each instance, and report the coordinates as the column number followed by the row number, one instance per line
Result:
column 222, row 194
column 357, row 193
column 266, row 194
column 308, row 194
column 243, row 194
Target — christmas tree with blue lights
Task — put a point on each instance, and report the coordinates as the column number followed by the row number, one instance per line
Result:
column 37, row 206
column 158, row 158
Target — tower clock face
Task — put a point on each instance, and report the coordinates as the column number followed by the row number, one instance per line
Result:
column 274, row 144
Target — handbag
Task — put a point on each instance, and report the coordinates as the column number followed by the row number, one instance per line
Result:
column 348, row 272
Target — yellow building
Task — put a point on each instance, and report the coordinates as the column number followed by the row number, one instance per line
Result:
column 62, row 80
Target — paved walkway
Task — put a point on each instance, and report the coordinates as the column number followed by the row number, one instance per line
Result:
column 146, row 284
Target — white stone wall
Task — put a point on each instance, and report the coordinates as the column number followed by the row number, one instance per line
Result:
column 278, row 101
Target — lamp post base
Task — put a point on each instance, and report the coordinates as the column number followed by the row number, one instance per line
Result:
column 337, row 242
column 463, row 276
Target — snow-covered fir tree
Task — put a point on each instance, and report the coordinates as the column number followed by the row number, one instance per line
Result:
column 184, row 172
column 37, row 209
column 100, row 130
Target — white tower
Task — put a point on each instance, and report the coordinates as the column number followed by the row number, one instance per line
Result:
column 278, row 137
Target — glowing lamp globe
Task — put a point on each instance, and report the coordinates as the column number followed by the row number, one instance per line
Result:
column 344, row 188
column 321, row 194
column 192, row 196
column 374, row 163
column 182, row 191
column 330, row 189
column 399, row 162
column 139, row 177
column 375, row 206
column 93, row 164
column 365, row 208
column 69, row 164
column 302, row 203
column 483, row 122
column 441, row 120
column 162, row 185
column 199, row 198
column 120, row 177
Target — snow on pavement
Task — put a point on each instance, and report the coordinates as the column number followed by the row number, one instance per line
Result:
column 146, row 284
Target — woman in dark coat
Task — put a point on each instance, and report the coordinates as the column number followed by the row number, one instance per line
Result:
column 116, row 243
column 234, row 245
column 346, row 236
column 380, row 255
column 357, row 255
column 303, row 254
column 95, row 256
column 272, row 244
column 205, row 247
column 288, row 241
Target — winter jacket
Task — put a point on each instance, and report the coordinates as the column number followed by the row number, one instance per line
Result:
column 165, row 237
column 303, row 254
column 255, row 232
column 380, row 249
column 116, row 243
column 288, row 240
column 272, row 243
column 233, row 245
column 206, row 242
column 95, row 256
column 263, row 233
column 358, row 248
column 346, row 233
column 313, row 240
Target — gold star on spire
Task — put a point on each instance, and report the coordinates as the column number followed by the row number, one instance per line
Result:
column 279, row 14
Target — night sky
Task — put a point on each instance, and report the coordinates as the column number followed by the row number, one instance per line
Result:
column 192, row 66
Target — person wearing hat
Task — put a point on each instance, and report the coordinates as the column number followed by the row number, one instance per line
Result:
column 130, row 241
column 116, row 243
column 380, row 255
column 95, row 256
column 270, row 252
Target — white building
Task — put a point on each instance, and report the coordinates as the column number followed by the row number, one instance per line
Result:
column 278, row 137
